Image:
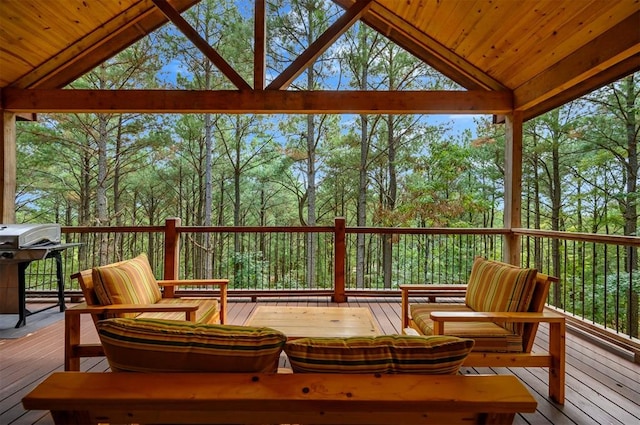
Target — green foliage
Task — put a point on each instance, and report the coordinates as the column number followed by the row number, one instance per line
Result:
column 580, row 164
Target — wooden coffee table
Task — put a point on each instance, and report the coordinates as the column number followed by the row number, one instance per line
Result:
column 299, row 322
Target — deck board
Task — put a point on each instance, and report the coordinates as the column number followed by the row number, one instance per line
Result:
column 602, row 387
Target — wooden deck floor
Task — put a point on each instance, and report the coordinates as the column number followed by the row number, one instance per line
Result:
column 602, row 388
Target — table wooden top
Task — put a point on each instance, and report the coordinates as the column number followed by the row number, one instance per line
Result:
column 300, row 322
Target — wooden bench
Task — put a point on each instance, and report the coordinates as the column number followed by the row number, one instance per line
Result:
column 199, row 398
column 74, row 350
column 554, row 357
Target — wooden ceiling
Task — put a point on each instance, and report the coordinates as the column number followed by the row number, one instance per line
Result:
column 538, row 53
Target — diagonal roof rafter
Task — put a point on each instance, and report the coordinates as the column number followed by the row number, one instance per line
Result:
column 193, row 36
column 426, row 48
column 322, row 43
column 540, row 55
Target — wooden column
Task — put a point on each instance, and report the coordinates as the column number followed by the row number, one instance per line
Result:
column 513, row 185
column 8, row 168
column 171, row 253
column 8, row 272
column 339, row 295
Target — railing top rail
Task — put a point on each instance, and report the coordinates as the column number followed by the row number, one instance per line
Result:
column 112, row 229
column 429, row 230
column 255, row 229
column 585, row 237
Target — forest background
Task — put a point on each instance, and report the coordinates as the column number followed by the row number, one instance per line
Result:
column 580, row 168
column 580, row 161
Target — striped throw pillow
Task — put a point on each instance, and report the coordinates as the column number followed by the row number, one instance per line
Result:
column 126, row 282
column 379, row 354
column 153, row 345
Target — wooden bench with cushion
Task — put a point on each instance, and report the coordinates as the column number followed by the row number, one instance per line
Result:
column 503, row 307
column 391, row 379
column 129, row 289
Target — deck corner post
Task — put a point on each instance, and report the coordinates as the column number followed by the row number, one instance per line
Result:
column 171, row 252
column 339, row 295
column 513, row 185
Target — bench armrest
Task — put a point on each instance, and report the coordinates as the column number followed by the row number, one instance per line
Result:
column 429, row 290
column 222, row 283
column 199, row 282
column 433, row 287
column 132, row 308
column 493, row 316
column 441, row 317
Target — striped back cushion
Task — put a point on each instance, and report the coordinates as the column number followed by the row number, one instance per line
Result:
column 153, row 345
column 126, row 282
column 379, row 354
column 495, row 286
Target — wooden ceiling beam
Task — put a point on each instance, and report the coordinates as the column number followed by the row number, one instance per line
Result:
column 98, row 46
column 318, row 47
column 426, row 48
column 202, row 44
column 257, row 102
column 552, row 87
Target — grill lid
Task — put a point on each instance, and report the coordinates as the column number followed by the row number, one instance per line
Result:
column 26, row 236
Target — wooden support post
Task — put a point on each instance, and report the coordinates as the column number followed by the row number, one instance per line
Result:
column 71, row 341
column 513, row 186
column 171, row 253
column 8, row 272
column 557, row 350
column 339, row 294
column 8, row 168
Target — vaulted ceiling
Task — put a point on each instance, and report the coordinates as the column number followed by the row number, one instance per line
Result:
column 536, row 54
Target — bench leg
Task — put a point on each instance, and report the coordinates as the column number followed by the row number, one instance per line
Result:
column 405, row 309
column 71, row 341
column 557, row 350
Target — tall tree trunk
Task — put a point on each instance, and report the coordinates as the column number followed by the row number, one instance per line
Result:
column 556, row 204
column 208, row 143
column 362, row 198
column 237, row 170
column 311, row 196
column 390, row 201
column 218, row 239
column 631, row 205
column 311, row 165
column 116, row 190
column 536, row 203
column 208, row 184
column 102, row 216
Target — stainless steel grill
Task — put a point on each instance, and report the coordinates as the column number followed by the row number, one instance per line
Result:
column 20, row 244
column 28, row 242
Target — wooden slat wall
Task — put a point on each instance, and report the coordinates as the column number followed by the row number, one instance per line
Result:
column 58, row 23
column 512, row 41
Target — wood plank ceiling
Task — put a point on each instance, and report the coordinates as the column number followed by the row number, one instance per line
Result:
column 533, row 55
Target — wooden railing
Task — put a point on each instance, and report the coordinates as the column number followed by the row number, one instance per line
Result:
column 599, row 278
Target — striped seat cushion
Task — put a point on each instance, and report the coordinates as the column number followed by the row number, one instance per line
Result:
column 208, row 310
column 126, row 282
column 495, row 286
column 379, row 354
column 152, row 345
column 488, row 336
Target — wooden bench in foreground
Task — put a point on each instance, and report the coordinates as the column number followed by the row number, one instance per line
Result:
column 198, row 398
